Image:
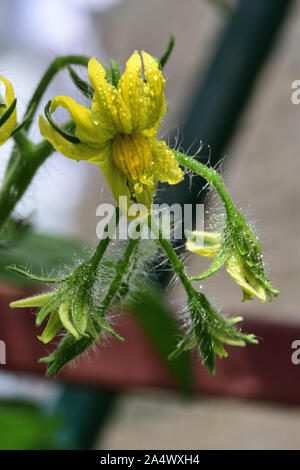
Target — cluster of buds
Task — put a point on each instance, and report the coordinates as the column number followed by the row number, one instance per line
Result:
column 208, row 330
column 71, row 306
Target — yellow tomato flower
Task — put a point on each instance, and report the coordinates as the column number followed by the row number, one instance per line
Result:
column 208, row 244
column 119, row 131
column 8, row 126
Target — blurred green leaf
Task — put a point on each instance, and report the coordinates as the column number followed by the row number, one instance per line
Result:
column 150, row 311
column 41, row 254
column 23, row 426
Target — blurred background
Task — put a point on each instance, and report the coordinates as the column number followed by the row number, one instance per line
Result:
column 228, row 84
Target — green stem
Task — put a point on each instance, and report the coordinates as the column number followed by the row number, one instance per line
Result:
column 22, row 124
column 103, row 244
column 58, row 64
column 22, row 141
column 121, row 270
column 22, row 170
column 19, row 177
column 210, row 175
column 177, row 265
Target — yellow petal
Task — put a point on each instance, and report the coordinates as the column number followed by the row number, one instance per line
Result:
column 114, row 177
column 208, row 251
column 165, row 166
column 109, row 111
column 86, row 131
column 131, row 87
column 82, row 151
column 204, row 243
column 132, row 154
column 154, row 91
column 7, row 128
column 144, row 98
column 240, row 273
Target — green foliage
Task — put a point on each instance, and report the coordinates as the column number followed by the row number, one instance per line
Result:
column 23, row 426
column 37, row 252
column 150, row 311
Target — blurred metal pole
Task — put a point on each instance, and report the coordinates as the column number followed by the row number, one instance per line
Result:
column 83, row 411
column 221, row 98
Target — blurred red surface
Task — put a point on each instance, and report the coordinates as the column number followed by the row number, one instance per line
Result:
column 263, row 371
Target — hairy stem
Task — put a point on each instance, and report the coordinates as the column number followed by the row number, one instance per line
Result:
column 58, row 64
column 20, row 176
column 21, row 171
column 210, row 175
column 121, row 269
column 176, row 264
column 103, row 244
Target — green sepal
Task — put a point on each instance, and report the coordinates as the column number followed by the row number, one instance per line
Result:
column 246, row 296
column 219, row 349
column 34, row 277
column 104, row 326
column 205, row 343
column 187, row 343
column 108, row 76
column 209, row 330
column 58, row 297
column 218, row 261
column 83, row 86
column 91, row 327
column 64, row 312
column 79, row 312
column 68, row 349
column 5, row 116
column 115, row 73
column 34, row 301
column 164, row 58
column 66, row 135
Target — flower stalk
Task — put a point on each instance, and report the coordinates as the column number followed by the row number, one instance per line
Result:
column 207, row 329
column 210, row 175
column 240, row 249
